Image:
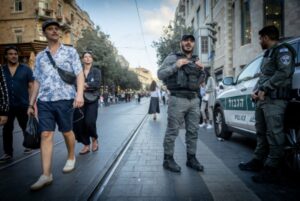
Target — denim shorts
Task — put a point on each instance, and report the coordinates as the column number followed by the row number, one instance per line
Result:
column 55, row 112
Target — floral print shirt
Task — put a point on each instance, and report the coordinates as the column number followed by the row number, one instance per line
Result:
column 52, row 87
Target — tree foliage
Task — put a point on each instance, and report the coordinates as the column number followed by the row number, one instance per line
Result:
column 170, row 40
column 105, row 57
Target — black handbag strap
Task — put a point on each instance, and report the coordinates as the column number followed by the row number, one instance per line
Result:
column 51, row 59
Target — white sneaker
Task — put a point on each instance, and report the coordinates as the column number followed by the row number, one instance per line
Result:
column 42, row 182
column 202, row 125
column 209, row 126
column 69, row 166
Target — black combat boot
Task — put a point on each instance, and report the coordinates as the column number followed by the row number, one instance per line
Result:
column 254, row 165
column 193, row 163
column 170, row 164
column 267, row 175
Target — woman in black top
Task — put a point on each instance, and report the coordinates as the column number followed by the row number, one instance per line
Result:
column 85, row 117
column 3, row 99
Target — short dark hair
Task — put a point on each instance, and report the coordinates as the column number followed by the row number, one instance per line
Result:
column 10, row 47
column 90, row 52
column 271, row 31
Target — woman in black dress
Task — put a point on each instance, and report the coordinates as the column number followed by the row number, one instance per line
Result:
column 85, row 117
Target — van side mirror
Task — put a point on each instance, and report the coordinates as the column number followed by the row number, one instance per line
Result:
column 228, row 81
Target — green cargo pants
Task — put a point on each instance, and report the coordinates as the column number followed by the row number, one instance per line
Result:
column 179, row 110
column 269, row 115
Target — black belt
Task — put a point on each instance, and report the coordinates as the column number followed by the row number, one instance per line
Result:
column 185, row 95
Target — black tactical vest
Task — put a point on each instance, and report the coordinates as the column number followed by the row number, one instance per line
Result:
column 187, row 78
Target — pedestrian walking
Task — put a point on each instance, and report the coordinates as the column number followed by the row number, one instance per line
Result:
column 19, row 79
column 154, row 100
column 163, row 96
column 136, row 97
column 208, row 101
column 271, row 96
column 85, row 128
column 4, row 105
column 56, row 99
column 139, row 97
column 182, row 73
column 201, row 95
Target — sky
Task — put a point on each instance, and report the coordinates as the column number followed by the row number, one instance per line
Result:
column 133, row 38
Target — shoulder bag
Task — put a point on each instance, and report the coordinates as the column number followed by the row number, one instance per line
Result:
column 90, row 96
column 66, row 76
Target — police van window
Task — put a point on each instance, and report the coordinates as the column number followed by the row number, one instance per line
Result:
column 296, row 46
column 250, row 71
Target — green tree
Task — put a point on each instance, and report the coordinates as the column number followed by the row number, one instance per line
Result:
column 105, row 57
column 170, row 40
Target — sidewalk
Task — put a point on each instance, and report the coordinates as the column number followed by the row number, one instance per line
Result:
column 141, row 176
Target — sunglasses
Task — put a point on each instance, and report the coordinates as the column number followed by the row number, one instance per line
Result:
column 80, row 112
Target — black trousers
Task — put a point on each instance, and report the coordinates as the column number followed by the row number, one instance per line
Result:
column 85, row 128
column 22, row 117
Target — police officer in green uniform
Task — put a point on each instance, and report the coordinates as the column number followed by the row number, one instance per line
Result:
column 271, row 95
column 182, row 73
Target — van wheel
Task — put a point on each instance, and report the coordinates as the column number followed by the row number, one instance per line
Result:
column 292, row 152
column 221, row 129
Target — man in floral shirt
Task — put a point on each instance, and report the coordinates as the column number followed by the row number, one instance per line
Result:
column 56, row 99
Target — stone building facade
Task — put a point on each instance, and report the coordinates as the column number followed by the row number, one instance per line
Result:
column 235, row 25
column 144, row 76
column 22, row 21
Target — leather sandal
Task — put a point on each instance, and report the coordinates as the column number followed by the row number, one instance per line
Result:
column 95, row 147
column 83, row 151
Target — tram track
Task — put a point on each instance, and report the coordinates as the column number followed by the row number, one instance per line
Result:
column 119, row 126
column 102, row 183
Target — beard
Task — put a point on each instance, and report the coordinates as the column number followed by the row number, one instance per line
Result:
column 263, row 46
column 186, row 51
column 13, row 61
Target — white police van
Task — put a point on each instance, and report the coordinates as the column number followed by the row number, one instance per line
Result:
column 233, row 109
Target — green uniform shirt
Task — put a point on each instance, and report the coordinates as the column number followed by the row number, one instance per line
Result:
column 277, row 68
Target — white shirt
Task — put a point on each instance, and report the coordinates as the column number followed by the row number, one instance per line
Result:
column 155, row 93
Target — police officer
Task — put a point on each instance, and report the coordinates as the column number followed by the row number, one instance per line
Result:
column 271, row 95
column 182, row 73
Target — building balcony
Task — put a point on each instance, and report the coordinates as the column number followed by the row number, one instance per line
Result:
column 68, row 21
column 59, row 18
column 69, row 1
column 43, row 13
column 65, row 26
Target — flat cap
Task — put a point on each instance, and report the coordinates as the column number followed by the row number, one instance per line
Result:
column 48, row 23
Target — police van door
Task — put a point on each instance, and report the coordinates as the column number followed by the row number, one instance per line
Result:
column 241, row 104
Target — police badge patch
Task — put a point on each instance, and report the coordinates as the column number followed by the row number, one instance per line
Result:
column 283, row 50
column 285, row 59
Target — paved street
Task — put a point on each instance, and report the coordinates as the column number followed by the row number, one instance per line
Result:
column 115, row 125
column 140, row 175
